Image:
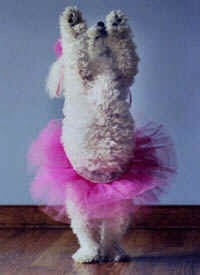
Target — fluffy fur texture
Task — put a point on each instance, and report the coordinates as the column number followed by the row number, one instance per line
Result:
column 99, row 211
column 98, row 67
column 94, row 73
column 94, row 166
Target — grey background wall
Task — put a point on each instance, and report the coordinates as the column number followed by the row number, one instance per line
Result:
column 166, row 89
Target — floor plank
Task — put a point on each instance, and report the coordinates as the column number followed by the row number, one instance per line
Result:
column 44, row 252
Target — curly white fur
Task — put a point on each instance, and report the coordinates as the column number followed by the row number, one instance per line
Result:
column 98, row 66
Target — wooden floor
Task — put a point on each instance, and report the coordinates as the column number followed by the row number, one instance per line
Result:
column 48, row 251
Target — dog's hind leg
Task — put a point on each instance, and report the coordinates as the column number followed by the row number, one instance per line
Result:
column 85, row 231
column 112, row 232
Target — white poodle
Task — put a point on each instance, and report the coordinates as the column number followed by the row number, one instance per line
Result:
column 94, row 73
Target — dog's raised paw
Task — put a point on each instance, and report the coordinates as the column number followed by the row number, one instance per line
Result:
column 72, row 15
column 72, row 19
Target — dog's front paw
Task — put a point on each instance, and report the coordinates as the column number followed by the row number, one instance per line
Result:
column 71, row 20
column 84, row 255
column 116, row 23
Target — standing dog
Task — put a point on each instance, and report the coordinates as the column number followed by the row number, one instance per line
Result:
column 94, row 73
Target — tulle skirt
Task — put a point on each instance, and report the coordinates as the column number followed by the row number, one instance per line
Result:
column 56, row 181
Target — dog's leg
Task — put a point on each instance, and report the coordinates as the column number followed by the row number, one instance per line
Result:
column 112, row 231
column 74, row 41
column 122, row 46
column 85, row 232
column 72, row 26
column 72, row 29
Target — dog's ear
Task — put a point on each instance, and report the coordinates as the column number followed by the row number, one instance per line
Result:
column 54, row 82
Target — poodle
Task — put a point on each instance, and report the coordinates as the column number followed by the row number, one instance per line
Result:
column 94, row 74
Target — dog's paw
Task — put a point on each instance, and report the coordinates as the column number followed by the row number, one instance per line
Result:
column 122, row 257
column 115, row 254
column 116, row 258
column 72, row 16
column 116, row 22
column 71, row 20
column 84, row 255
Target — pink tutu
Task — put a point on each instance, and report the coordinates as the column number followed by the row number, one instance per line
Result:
column 56, row 181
